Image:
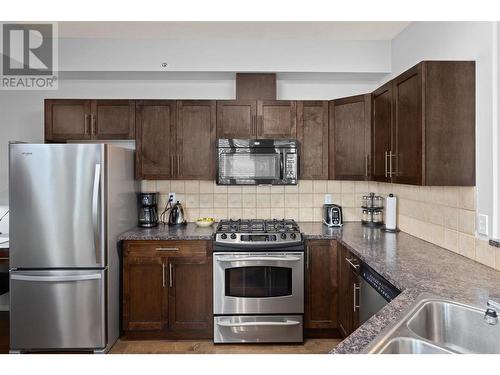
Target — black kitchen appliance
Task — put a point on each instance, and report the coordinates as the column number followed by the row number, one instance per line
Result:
column 148, row 209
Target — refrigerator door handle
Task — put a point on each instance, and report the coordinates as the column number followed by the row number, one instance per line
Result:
column 95, row 211
column 59, row 278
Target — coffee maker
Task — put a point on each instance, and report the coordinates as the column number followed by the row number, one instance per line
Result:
column 148, row 209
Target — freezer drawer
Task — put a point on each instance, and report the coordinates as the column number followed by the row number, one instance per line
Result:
column 57, row 310
column 258, row 328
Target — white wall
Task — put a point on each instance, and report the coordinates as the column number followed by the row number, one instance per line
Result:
column 459, row 41
column 224, row 55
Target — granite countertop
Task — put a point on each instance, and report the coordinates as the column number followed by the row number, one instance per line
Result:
column 190, row 231
column 409, row 263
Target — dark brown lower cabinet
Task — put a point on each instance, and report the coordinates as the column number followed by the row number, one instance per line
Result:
column 167, row 290
column 348, row 300
column 321, row 289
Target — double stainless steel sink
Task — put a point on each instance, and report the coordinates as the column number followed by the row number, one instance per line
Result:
column 438, row 326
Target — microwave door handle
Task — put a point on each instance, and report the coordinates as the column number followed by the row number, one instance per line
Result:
column 282, row 165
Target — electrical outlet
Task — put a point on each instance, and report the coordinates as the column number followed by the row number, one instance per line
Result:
column 171, row 197
column 482, row 224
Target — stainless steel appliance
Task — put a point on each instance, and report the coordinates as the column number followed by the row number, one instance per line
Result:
column 257, row 161
column 176, row 216
column 374, row 292
column 258, row 278
column 148, row 209
column 68, row 203
column 332, row 215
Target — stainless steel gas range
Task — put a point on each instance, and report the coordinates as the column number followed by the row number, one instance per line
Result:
column 258, row 281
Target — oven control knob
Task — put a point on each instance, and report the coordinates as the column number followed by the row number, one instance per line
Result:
column 233, row 236
column 293, row 236
column 283, row 235
column 223, row 236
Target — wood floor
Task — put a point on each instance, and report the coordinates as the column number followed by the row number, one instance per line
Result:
column 311, row 346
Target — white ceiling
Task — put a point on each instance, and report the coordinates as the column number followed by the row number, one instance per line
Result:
column 234, row 30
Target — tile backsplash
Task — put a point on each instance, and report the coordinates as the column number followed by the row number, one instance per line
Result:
column 444, row 216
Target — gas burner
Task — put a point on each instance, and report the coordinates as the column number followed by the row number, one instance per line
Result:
column 266, row 234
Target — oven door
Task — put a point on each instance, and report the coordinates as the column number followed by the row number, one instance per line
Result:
column 259, row 283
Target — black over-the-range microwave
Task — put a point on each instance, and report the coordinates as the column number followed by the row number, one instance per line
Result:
column 257, row 161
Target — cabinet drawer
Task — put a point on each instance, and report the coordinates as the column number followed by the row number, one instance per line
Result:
column 158, row 248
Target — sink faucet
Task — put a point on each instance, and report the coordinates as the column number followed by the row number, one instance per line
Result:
column 491, row 316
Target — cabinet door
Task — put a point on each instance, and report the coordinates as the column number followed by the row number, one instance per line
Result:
column 350, row 137
column 190, row 297
column 144, row 294
column 67, row 119
column 195, row 134
column 154, row 121
column 408, row 123
column 348, row 302
column 321, row 285
column 113, row 119
column 236, row 119
column 312, row 133
column 277, row 119
column 381, row 132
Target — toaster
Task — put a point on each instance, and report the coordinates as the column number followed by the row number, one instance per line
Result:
column 332, row 215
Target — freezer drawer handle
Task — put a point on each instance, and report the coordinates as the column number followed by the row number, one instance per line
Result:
column 257, row 324
column 95, row 276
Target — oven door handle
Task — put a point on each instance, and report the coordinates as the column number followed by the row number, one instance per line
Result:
column 257, row 324
column 276, row 259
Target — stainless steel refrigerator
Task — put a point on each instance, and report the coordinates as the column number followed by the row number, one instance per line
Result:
column 68, row 203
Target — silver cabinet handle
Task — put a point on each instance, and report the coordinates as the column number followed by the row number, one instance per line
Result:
column 385, row 162
column 355, row 305
column 95, row 211
column 167, row 249
column 172, row 165
column 256, row 259
column 95, row 276
column 390, row 163
column 163, row 275
column 366, row 165
column 308, row 250
column 94, row 124
column 257, row 324
column 178, row 165
column 86, row 125
column 170, row 274
column 350, row 261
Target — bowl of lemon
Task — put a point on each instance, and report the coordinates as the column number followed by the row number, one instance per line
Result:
column 205, row 221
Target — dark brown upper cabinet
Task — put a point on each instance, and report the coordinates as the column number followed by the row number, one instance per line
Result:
column 67, row 119
column 79, row 119
column 113, row 119
column 175, row 139
column 312, row 133
column 350, row 138
column 277, row 119
column 381, row 132
column 424, row 126
column 154, row 141
column 256, row 119
column 195, row 139
column 236, row 119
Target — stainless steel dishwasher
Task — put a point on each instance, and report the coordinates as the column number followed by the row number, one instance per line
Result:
column 375, row 292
